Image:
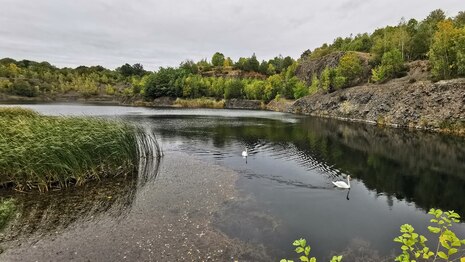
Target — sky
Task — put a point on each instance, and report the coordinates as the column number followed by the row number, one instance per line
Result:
column 166, row 32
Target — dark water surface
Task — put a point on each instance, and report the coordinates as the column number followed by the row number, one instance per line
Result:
column 286, row 180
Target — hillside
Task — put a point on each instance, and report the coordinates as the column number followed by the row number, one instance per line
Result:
column 412, row 101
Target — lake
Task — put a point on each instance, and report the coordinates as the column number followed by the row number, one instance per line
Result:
column 284, row 185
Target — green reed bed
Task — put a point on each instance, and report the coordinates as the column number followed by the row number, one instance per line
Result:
column 46, row 152
column 200, row 103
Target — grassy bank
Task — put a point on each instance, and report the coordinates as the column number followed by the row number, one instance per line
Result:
column 44, row 152
column 200, row 103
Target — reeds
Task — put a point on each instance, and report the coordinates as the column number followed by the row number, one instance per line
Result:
column 46, row 152
column 200, row 103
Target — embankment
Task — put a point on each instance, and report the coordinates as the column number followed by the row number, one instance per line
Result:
column 436, row 106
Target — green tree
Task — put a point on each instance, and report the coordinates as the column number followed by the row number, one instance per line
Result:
column 242, row 63
column 263, row 68
column 446, row 54
column 252, row 64
column 349, row 67
column 22, row 87
column 162, row 83
column 459, row 20
column 218, row 59
column 300, row 90
column 189, row 67
column 392, row 65
column 255, row 90
column 273, row 85
column 233, row 88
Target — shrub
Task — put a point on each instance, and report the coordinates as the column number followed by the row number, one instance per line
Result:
column 392, row 65
column 22, row 87
column 304, row 250
column 233, row 89
column 414, row 245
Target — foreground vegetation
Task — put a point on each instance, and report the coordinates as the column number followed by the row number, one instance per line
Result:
column 413, row 245
column 46, row 152
column 7, row 211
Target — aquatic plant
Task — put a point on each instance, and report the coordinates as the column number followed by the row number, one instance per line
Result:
column 43, row 151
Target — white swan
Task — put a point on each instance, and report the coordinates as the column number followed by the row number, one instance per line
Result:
column 245, row 153
column 342, row 184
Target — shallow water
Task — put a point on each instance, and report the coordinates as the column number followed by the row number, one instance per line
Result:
column 285, row 183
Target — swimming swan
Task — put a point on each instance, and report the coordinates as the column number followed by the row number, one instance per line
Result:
column 244, row 153
column 342, row 184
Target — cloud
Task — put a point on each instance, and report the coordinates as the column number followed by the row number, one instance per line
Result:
column 165, row 32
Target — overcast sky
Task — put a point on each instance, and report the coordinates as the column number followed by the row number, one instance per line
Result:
column 166, row 32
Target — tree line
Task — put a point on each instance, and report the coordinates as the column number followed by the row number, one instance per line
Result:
column 439, row 39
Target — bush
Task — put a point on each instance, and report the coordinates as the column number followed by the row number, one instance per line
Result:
column 414, row 245
column 22, row 87
column 233, row 89
column 300, row 90
column 255, row 90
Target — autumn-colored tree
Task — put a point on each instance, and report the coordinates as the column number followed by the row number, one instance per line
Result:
column 447, row 55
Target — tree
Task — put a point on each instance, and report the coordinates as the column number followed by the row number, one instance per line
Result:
column 218, row 59
column 22, row 87
column 203, row 65
column 228, row 62
column 287, row 61
column 262, row 69
column 271, row 70
column 189, row 67
column 138, row 69
column 300, row 90
column 349, row 67
column 273, row 85
column 306, row 54
column 447, row 55
column 242, row 63
column 162, row 83
column 233, row 88
column 125, row 70
column 255, row 90
column 459, row 20
column 252, row 64
column 392, row 65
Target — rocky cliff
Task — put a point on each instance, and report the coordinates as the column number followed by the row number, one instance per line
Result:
column 309, row 67
column 404, row 102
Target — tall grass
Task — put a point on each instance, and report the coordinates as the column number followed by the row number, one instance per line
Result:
column 45, row 152
column 200, row 103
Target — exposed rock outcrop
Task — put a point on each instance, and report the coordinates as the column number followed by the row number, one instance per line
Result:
column 401, row 103
column 309, row 67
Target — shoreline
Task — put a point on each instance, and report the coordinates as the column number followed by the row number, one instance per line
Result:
column 395, row 104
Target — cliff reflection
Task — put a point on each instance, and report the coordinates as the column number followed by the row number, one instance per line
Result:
column 425, row 168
